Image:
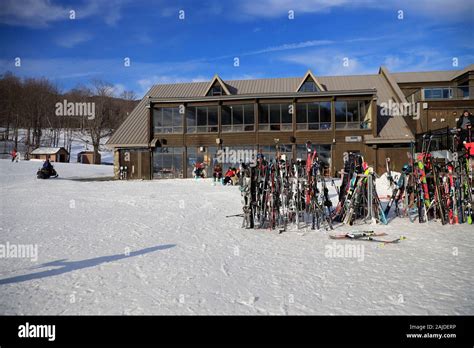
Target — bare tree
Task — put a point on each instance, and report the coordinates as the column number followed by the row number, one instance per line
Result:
column 10, row 102
column 100, row 126
column 30, row 104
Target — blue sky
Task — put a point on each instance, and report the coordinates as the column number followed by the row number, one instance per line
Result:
column 164, row 49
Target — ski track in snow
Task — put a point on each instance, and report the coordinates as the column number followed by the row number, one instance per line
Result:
column 185, row 257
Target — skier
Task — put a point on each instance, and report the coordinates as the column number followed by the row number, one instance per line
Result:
column 462, row 126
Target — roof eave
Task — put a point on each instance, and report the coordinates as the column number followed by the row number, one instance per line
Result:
column 371, row 91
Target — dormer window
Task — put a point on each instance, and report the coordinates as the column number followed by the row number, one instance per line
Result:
column 309, row 86
column 216, row 87
column 216, row 90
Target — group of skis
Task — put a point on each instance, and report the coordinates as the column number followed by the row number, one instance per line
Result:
column 432, row 189
column 358, row 198
column 277, row 192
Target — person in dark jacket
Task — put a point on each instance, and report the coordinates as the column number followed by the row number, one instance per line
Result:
column 465, row 126
column 217, row 173
column 47, row 164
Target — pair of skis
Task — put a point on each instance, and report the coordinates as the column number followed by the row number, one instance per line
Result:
column 370, row 236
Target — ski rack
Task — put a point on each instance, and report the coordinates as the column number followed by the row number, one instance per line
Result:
column 278, row 194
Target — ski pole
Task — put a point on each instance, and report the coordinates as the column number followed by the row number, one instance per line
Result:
column 235, row 215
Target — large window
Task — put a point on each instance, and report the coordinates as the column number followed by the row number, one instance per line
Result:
column 167, row 120
column 275, row 117
column 201, row 119
column 352, row 114
column 237, row 118
column 313, row 116
column 438, row 93
column 168, row 162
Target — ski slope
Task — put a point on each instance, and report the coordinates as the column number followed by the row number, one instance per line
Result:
column 166, row 247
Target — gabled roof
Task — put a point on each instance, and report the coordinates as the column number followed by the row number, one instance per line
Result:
column 217, row 79
column 309, row 74
column 47, row 150
column 393, row 84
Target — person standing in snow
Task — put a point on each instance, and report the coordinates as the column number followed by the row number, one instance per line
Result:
column 217, row 173
column 14, row 155
column 465, row 122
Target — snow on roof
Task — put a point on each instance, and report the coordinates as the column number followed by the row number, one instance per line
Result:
column 46, row 150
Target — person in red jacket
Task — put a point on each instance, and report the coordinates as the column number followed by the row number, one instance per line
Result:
column 198, row 171
column 14, row 155
column 229, row 175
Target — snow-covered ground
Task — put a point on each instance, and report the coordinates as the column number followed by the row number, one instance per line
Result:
column 166, row 247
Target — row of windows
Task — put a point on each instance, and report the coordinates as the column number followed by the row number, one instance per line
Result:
column 275, row 117
column 168, row 161
column 313, row 116
column 201, row 119
column 272, row 117
column 352, row 115
column 237, row 118
column 457, row 92
column 438, row 93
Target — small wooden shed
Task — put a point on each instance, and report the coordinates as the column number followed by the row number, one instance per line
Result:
column 87, row 157
column 55, row 154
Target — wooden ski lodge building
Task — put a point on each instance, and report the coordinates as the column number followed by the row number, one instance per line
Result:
column 176, row 125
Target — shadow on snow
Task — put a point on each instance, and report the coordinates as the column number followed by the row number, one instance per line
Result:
column 69, row 266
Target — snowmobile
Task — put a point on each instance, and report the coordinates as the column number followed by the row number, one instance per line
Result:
column 45, row 173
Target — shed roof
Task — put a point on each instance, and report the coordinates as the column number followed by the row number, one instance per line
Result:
column 47, row 150
column 425, row 76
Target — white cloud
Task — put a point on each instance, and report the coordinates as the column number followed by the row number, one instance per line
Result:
column 440, row 9
column 276, row 8
column 392, row 62
column 330, row 62
column 33, row 13
column 42, row 13
column 72, row 39
column 118, row 88
column 290, row 46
